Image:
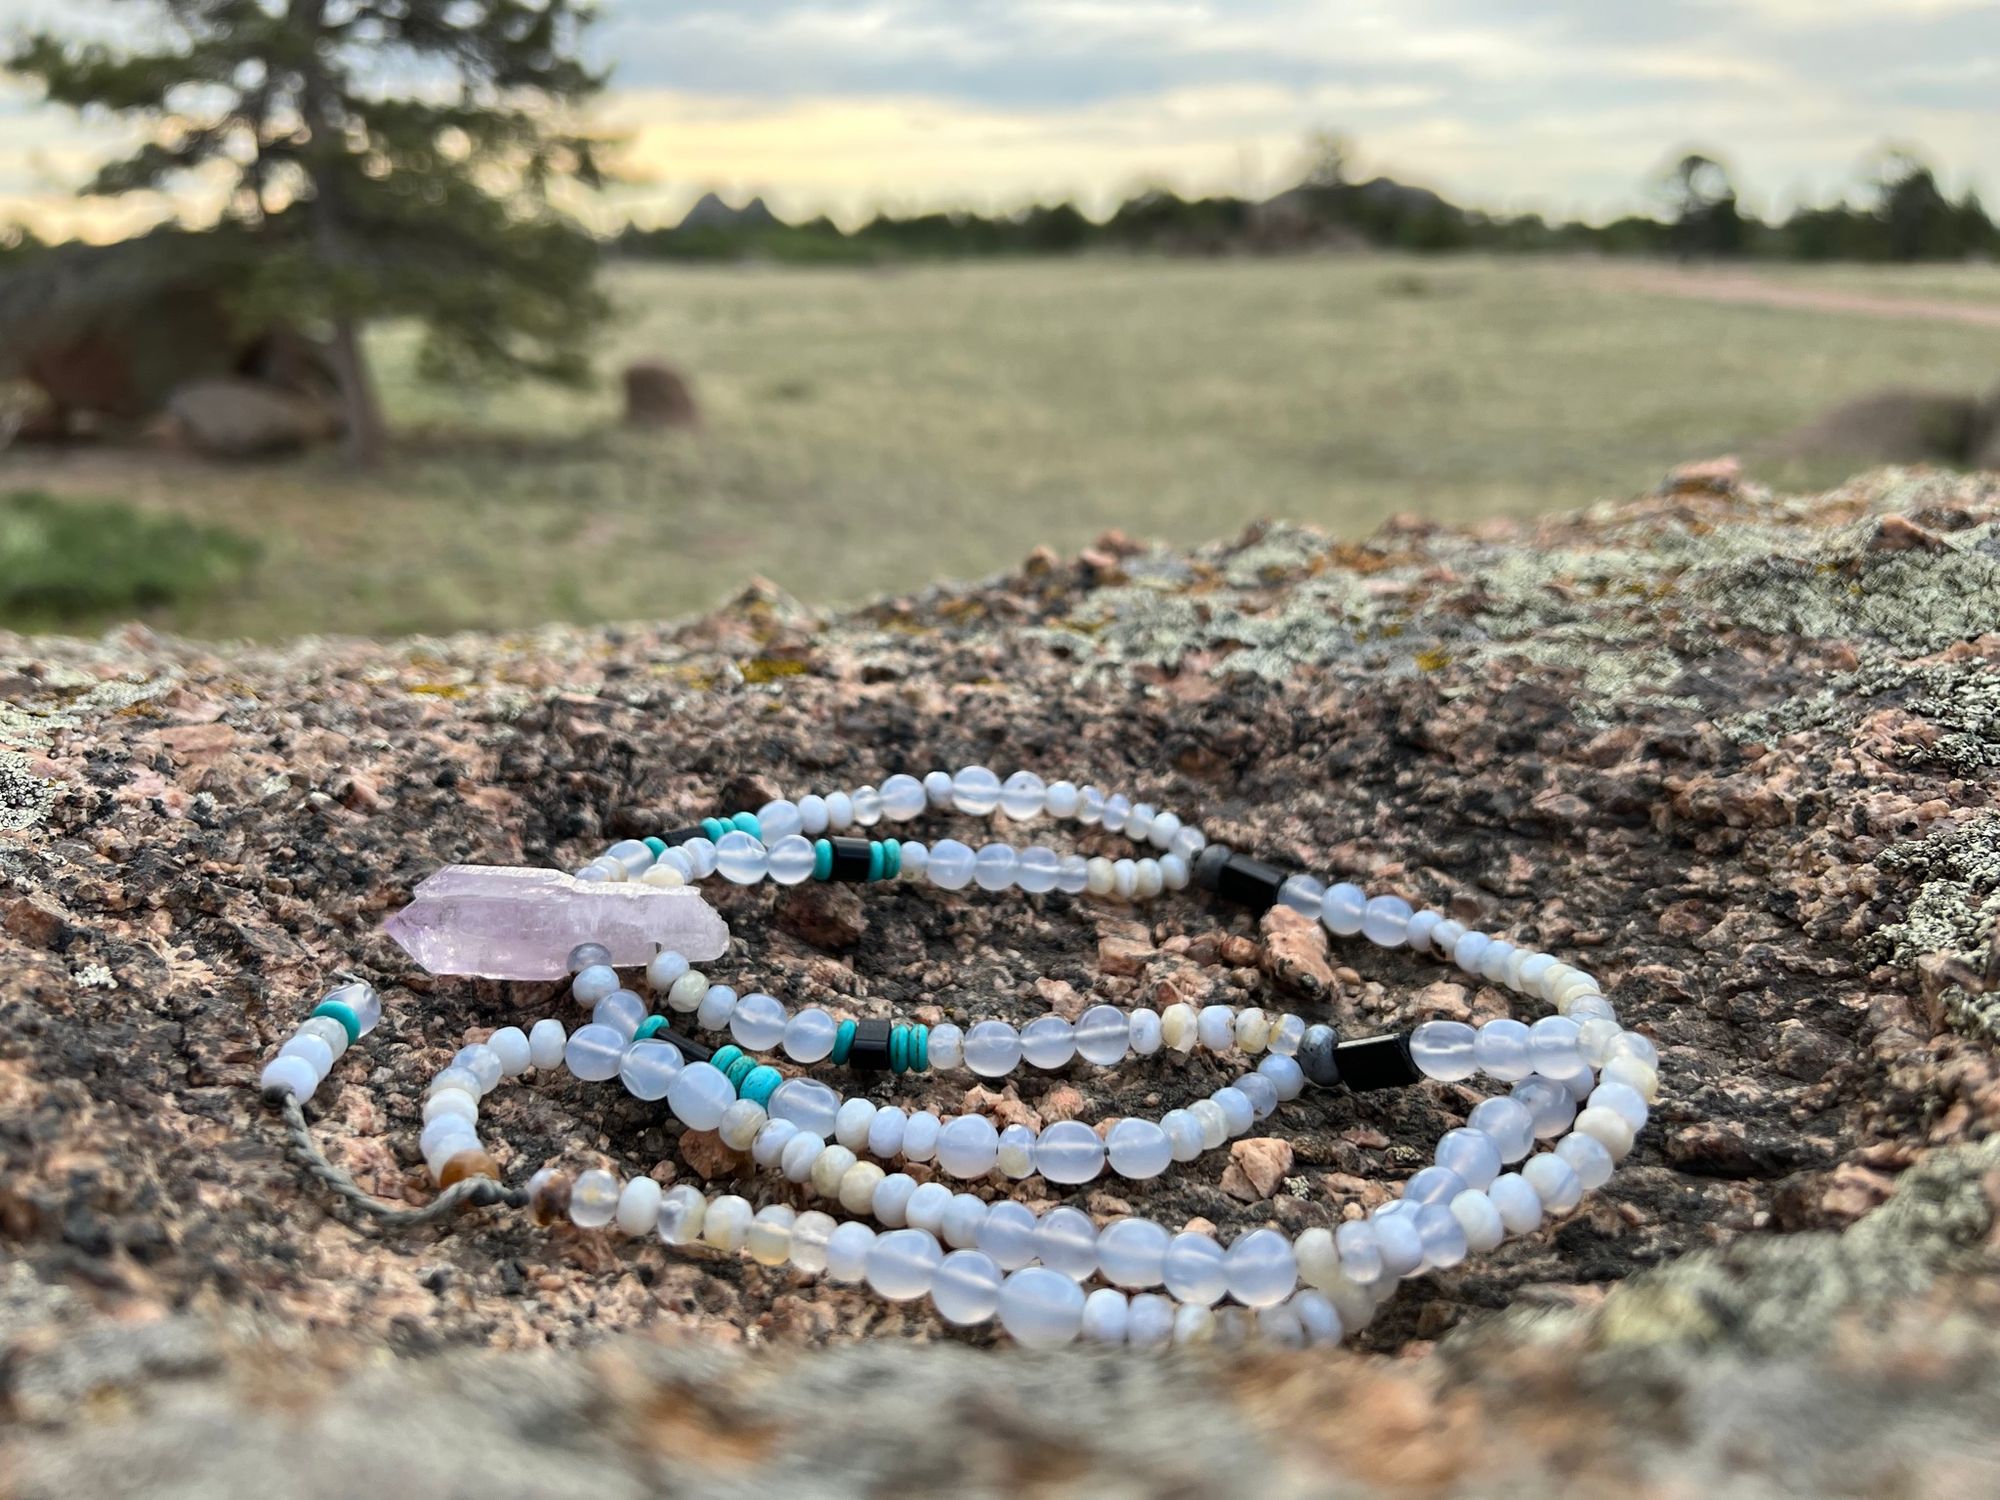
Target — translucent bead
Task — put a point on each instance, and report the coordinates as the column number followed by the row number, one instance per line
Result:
column 1469, row 950
column 1421, row 927
column 1319, row 1057
column 901, row 1264
column 920, row 1136
column 361, row 998
column 639, row 1206
column 1479, row 1220
column 962, row 1218
column 1385, row 921
column 992, row 1049
column 768, row 1240
column 851, row 1123
column 1635, row 1075
column 1139, row 822
column 1125, row 878
column 968, row 1147
column 757, row 1024
column 807, row 1103
column 890, row 1202
column 1007, row 1234
column 1261, row 1269
column 1319, row 1319
column 1396, row 1235
column 1149, row 1321
column 681, row 1212
column 546, row 1040
column 1303, row 894
column 1238, row 1114
column 1117, row 808
column 451, row 1078
column 593, row 984
column 1548, row 1103
column 802, row 1152
column 593, row 1053
column 902, row 797
column 1036, row 872
column 829, row 1168
column 451, row 1102
column 1253, row 1030
column 648, row 1068
column 780, row 819
column 965, row 1288
column 1360, row 1251
column 741, row 1124
column 1132, row 1253
column 769, row 1147
column 741, row 857
column 927, row 1206
column 1555, row 1182
column 1552, row 1042
column 634, row 854
column 951, row 865
column 1103, row 1035
column 1587, row 1157
column 698, row 1095
column 867, row 804
column 809, row 1035
column 1166, row 826
column 1434, row 1185
column 947, row 1047
column 1179, row 1027
column 994, row 866
column 664, row 970
column 839, row 812
column 975, row 791
column 510, row 1045
column 1500, row 1049
column 1105, row 1316
column 1519, row 1205
column 1342, row 908
column 1471, row 1154
column 813, row 817
column 847, row 1251
column 1590, row 1008
column 1183, row 1132
column 1443, row 1050
column 700, row 855
column 1319, row 1261
column 727, row 1223
column 1062, row 799
column 1194, row 1326
column 883, row 1133
column 1174, row 873
column 1287, row 1035
column 791, row 859
column 621, row 1011
column 1261, row 1092
column 1508, row 1122
column 319, row 1055
column 1192, row 1269
column 1069, row 1152
column 1021, row 796
column 593, row 1199
column 1534, row 968
column 1138, row 1149
column 1495, row 958
column 1640, row 1048
column 810, row 1232
column 1441, row 1235
column 448, row 1127
column 587, row 955
column 1214, row 1123
column 685, row 994
column 329, row 1031
column 1040, row 1308
column 1072, row 874
column 1143, row 1032
column 1048, row 1042
column 1285, row 1074
column 1215, row 1027
column 1016, row 1157
column 1621, row 1101
column 1065, row 1240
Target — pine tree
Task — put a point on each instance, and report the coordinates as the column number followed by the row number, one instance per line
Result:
column 394, row 158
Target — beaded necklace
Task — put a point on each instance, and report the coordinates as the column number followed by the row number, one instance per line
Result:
column 1578, row 1079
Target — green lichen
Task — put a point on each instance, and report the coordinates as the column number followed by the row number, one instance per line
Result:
column 1956, row 874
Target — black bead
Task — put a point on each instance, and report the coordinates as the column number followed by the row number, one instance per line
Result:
column 1249, row 882
column 1208, row 865
column 680, row 836
column 1316, row 1056
column 869, row 1052
column 1377, row 1062
column 850, row 859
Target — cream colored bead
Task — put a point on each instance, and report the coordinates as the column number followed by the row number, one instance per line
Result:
column 1098, row 877
column 1177, row 1027
column 1354, row 1302
column 1150, row 882
column 1594, row 1038
column 829, row 1169
column 1607, row 1128
column 1194, row 1324
column 857, row 1186
column 1125, row 878
column 1635, row 1075
column 663, row 875
column 727, row 1222
column 767, row 1242
column 1253, row 1030
column 688, row 991
column 740, row 1124
column 1214, row 1124
column 1319, row 1261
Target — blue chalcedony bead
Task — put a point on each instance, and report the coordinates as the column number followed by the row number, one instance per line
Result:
column 651, row 1026
column 843, row 1039
column 747, row 821
column 349, row 1021
column 822, row 859
column 759, row 1084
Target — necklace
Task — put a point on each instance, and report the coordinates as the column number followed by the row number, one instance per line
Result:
column 1578, row 1079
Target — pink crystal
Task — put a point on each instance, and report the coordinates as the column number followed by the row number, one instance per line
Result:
column 504, row 922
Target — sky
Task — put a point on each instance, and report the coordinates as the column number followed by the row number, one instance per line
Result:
column 1566, row 107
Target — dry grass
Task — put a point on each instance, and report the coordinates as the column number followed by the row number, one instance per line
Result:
column 869, row 430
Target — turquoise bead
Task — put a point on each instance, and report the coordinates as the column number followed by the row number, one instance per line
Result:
column 892, row 859
column 747, row 821
column 724, row 1056
column 921, row 1038
column 899, row 1049
column 656, row 844
column 760, row 1084
column 651, row 1026
column 843, row 1039
column 715, row 828
column 822, row 860
column 875, row 861
column 349, row 1021
column 741, row 1069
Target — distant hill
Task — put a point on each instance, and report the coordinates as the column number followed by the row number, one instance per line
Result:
column 711, row 211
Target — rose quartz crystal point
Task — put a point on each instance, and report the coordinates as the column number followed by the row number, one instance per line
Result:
column 503, row 922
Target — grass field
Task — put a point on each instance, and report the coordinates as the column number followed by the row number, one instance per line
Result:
column 870, row 430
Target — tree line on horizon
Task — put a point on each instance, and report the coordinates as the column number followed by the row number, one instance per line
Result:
column 1903, row 215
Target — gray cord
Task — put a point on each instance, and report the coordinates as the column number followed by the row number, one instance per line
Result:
column 473, row 1192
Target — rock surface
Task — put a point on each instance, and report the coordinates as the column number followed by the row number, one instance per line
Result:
column 1736, row 753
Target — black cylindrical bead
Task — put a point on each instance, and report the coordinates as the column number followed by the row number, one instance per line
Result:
column 850, row 859
column 1208, row 865
column 1249, row 882
column 869, row 1052
column 1317, row 1055
column 1377, row 1062
column 678, row 836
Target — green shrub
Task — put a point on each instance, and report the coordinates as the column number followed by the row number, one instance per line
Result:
column 73, row 562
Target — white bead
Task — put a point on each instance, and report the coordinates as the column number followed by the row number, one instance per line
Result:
column 1623, row 1102
column 448, row 1127
column 1587, row 1157
column 647, row 1069
column 1500, row 1049
column 768, row 1241
column 1441, row 1235
column 975, row 791
column 992, row 1049
column 454, row 1104
column 891, row 1200
column 639, row 1206
column 1215, row 1027
column 839, row 812
column 1179, row 1027
column 810, row 1035
column 1434, row 1185
column 938, row 790
column 1302, row 894
column 1099, row 876
column 1261, row 1269
column 927, row 1204
column 1041, row 1308
column 1443, row 1050
column 1106, row 1315
column 1147, row 881
column 1192, row 1269
column 715, row 1009
column 510, row 1045
column 1021, row 796
column 1519, row 1205
column 593, row 1199
column 1194, row 1325
column 1479, row 1220
column 1139, row 822
column 317, row 1054
column 1261, row 1092
column 968, row 1147
column 1184, row 1135
column 698, row 1095
column 1165, row 826
column 741, row 1124
column 1124, row 879
column 1555, row 1182
column 1253, row 1030
column 741, row 857
column 916, row 859
column 1548, row 1103
column 1132, row 1252
column 328, row 1030
column 1138, row 1149
column 902, row 797
column 1189, row 842
column 1117, row 808
column 664, row 970
column 1174, row 874
column 1048, row 1042
column 851, row 1123
column 1008, row 1234
column 920, row 1136
column 867, row 803
column 1143, row 1032
column 1552, row 1042
column 901, row 1263
column 885, row 1131
column 1319, row 1260
column 962, row 1218
column 1069, row 1152
column 1016, row 1157
column 546, row 1039
column 951, row 865
column 1360, row 1252
column 1318, row 1318
column 1608, row 1128
column 1510, row 1124
column 1214, row 1123
column 593, row 984
column 1396, row 1236
column 828, row 1168
column 593, row 1053
column 791, row 859
column 847, row 1251
column 1634, row 1075
column 1072, row 874
column 965, row 1289
column 812, row 816
column 1066, row 1241
column 1103, row 1035
column 768, row 1150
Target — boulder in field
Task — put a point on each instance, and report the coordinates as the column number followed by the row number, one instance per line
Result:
column 231, row 417
column 658, row 395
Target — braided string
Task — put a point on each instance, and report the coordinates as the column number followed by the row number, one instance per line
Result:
column 473, row 1192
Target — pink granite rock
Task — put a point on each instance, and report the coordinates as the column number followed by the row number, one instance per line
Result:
column 507, row 922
